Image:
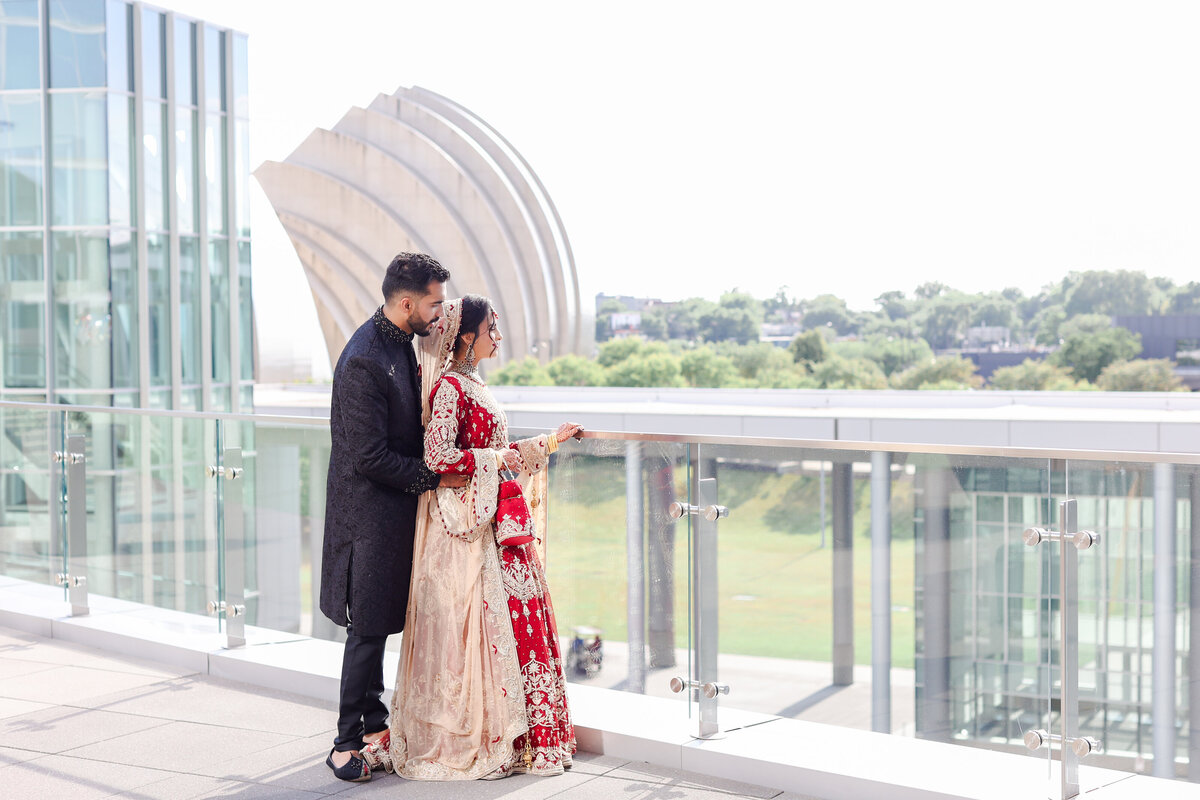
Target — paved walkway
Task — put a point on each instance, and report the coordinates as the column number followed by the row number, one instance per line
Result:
column 79, row 723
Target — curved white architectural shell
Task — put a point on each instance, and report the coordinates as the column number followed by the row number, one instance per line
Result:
column 416, row 171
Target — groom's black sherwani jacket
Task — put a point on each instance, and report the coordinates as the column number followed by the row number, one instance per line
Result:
column 376, row 473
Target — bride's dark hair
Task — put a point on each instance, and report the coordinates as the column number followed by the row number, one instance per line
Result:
column 475, row 309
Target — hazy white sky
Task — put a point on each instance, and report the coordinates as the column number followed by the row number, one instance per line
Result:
column 845, row 147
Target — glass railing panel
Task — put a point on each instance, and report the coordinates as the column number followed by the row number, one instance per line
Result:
column 31, row 492
column 151, row 526
column 1002, row 642
column 286, row 467
column 194, row 525
column 617, row 563
column 1138, row 589
column 967, row 633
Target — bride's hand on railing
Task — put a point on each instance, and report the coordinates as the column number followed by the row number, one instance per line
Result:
column 567, row 430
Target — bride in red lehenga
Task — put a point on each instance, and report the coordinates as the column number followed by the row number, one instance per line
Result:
column 480, row 691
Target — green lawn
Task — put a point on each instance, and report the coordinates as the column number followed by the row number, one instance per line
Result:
column 775, row 579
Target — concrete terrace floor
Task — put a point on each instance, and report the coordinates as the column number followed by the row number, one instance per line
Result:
column 79, row 723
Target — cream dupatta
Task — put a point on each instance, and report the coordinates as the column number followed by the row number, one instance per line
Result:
column 458, row 703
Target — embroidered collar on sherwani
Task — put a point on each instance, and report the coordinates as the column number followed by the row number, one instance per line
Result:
column 388, row 328
column 391, row 333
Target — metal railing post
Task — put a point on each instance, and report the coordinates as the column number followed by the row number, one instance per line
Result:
column 705, row 616
column 233, row 605
column 1069, row 618
column 705, row 589
column 1162, row 698
column 75, row 578
column 235, row 553
column 635, row 561
column 1193, row 772
column 843, row 573
column 881, row 592
column 1074, row 747
column 934, row 712
column 660, row 559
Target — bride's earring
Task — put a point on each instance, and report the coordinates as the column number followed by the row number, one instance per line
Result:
column 469, row 358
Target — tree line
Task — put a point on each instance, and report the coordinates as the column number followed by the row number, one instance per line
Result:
column 900, row 344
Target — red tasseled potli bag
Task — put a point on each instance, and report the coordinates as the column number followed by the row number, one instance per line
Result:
column 514, row 523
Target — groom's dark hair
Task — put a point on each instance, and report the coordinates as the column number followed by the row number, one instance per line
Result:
column 411, row 274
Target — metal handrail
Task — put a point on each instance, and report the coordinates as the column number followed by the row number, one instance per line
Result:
column 1155, row 457
column 843, row 445
column 166, row 412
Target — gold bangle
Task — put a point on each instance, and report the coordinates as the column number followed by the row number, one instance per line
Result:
column 552, row 443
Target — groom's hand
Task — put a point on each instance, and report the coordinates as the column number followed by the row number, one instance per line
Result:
column 452, row 481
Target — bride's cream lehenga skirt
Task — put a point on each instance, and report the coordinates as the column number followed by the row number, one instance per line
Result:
column 458, row 704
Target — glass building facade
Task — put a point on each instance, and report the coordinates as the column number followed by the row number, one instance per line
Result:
column 124, row 280
column 124, row 226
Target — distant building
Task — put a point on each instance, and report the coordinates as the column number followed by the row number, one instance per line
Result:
column 988, row 336
column 779, row 334
column 1172, row 336
column 625, row 324
column 627, row 302
column 416, row 171
column 990, row 347
column 988, row 361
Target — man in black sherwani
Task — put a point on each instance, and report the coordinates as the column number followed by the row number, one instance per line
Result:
column 376, row 473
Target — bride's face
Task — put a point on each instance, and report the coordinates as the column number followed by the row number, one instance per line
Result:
column 488, row 338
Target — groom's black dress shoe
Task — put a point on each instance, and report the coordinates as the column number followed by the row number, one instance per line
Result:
column 355, row 770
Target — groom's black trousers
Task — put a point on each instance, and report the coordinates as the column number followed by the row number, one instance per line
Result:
column 361, row 705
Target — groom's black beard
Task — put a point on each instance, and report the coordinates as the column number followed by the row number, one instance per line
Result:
column 419, row 326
